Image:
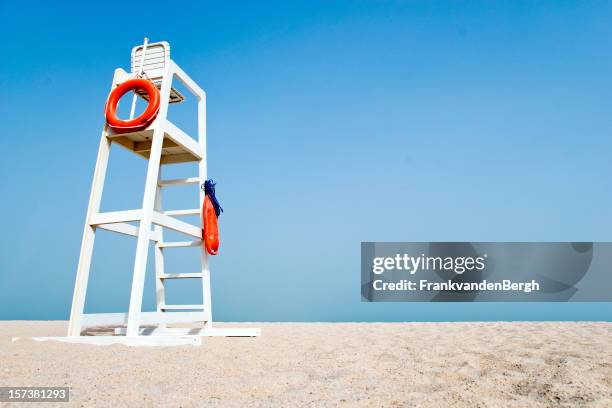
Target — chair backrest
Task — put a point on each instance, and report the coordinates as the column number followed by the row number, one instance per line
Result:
column 157, row 57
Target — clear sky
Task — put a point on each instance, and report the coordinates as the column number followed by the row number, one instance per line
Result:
column 330, row 123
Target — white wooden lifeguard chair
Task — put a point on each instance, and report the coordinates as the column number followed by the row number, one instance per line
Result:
column 161, row 143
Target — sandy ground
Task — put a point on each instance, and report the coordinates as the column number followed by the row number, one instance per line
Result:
column 326, row 364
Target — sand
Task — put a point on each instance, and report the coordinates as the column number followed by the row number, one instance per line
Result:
column 329, row 364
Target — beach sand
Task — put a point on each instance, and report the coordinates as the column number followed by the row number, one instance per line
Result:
column 329, row 364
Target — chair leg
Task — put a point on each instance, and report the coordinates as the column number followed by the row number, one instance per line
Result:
column 87, row 243
column 144, row 232
column 160, row 289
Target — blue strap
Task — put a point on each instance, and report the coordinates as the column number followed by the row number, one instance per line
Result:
column 209, row 190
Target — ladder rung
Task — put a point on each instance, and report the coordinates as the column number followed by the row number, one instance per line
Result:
column 194, row 211
column 179, row 182
column 180, row 244
column 182, row 307
column 181, row 275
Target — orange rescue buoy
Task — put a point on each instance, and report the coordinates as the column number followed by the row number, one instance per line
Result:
column 140, row 122
column 210, row 227
column 211, row 210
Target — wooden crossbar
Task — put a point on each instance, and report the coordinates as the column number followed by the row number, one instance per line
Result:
column 180, row 244
column 127, row 229
column 176, row 225
column 179, row 182
column 191, row 211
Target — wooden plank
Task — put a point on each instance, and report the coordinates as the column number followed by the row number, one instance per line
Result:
column 136, row 136
column 178, row 158
column 121, row 228
column 151, row 50
column 192, row 211
column 118, row 319
column 180, row 244
column 145, row 146
column 176, row 225
column 179, row 182
column 128, row 229
column 140, row 142
column 153, row 57
column 124, row 142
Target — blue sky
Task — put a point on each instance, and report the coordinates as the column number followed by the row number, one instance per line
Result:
column 330, row 123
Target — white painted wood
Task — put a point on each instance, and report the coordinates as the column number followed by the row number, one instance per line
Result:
column 181, row 275
column 160, row 289
column 139, row 73
column 131, row 341
column 146, row 318
column 116, row 217
column 148, row 201
column 121, row 76
column 193, row 211
column 127, row 229
column 195, row 331
column 121, row 228
column 180, row 244
column 180, row 182
column 179, row 158
column 176, row 225
column 145, row 146
column 203, row 174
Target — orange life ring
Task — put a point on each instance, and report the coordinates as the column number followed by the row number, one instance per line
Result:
column 210, row 227
column 142, row 121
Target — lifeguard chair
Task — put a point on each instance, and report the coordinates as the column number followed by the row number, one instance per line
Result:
column 161, row 143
